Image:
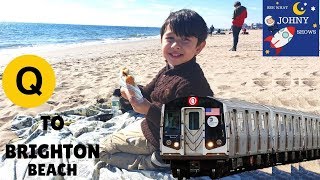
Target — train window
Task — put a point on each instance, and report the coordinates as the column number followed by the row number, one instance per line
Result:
column 194, row 120
column 299, row 123
column 289, row 124
column 297, row 126
column 277, row 121
column 240, row 120
column 233, row 120
column 306, row 125
column 172, row 122
column 281, row 123
column 309, row 125
column 262, row 121
column 253, row 124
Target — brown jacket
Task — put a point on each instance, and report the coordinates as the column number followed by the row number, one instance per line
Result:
column 181, row 81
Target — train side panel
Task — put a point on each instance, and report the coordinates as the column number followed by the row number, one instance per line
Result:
column 309, row 133
column 241, row 135
column 314, row 134
column 289, row 132
column 296, row 133
column 281, row 133
column 252, row 133
column 232, row 131
column 263, row 132
column 318, row 133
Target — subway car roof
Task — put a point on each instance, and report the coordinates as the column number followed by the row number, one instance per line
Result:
column 236, row 103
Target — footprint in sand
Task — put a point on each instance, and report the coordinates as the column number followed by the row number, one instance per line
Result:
column 224, row 87
column 311, row 82
column 230, row 72
column 83, row 87
column 267, row 74
column 288, row 73
column 284, row 82
column 313, row 102
column 236, row 56
column 317, row 73
column 263, row 82
column 62, row 85
column 149, row 76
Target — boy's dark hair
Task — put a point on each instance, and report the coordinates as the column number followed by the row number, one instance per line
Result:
column 186, row 23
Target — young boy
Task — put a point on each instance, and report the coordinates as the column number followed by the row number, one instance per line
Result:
column 183, row 36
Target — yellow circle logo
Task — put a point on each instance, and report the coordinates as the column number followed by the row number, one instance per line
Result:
column 28, row 81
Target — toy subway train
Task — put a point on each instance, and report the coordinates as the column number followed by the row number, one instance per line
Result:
column 210, row 136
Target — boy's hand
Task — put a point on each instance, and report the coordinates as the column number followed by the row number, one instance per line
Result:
column 123, row 92
column 139, row 107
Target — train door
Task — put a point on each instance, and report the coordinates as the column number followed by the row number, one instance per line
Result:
column 268, row 132
column 252, row 133
column 318, row 133
column 289, row 135
column 232, row 129
column 241, row 144
column 282, row 134
column 309, row 133
column 276, row 131
column 259, row 131
column 193, row 130
column 314, row 133
column 303, row 133
column 263, row 132
column 296, row 132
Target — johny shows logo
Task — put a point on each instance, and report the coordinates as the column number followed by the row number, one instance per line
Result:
column 291, row 28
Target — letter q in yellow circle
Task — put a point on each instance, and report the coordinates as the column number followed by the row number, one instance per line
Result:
column 28, row 81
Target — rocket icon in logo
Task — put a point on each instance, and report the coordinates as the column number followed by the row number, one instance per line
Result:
column 281, row 38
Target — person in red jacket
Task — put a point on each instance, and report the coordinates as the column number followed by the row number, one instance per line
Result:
column 239, row 14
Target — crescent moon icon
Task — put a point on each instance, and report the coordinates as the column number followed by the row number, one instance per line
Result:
column 296, row 10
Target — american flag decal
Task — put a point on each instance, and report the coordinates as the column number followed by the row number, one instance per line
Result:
column 212, row 111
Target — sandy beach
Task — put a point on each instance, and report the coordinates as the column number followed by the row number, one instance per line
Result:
column 89, row 73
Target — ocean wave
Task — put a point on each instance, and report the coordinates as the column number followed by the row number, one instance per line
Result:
column 19, row 35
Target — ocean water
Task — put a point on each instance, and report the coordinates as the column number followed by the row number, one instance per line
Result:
column 21, row 35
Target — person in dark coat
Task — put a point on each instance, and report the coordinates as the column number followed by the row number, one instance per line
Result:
column 239, row 14
column 211, row 30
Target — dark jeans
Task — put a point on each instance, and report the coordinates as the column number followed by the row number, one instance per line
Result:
column 235, row 31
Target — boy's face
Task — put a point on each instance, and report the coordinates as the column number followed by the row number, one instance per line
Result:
column 178, row 50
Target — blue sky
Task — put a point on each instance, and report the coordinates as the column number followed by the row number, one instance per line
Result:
column 150, row 13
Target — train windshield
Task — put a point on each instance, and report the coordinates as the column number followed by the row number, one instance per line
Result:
column 172, row 123
column 194, row 120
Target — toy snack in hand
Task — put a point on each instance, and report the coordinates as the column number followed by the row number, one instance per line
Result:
column 127, row 81
column 130, row 80
column 125, row 71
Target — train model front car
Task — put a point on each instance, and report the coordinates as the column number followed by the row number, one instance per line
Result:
column 215, row 137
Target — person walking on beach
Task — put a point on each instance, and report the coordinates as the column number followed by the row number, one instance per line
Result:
column 183, row 36
column 211, row 29
column 239, row 14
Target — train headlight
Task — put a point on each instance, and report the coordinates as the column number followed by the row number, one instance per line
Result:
column 176, row 144
column 219, row 142
column 168, row 142
column 210, row 144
